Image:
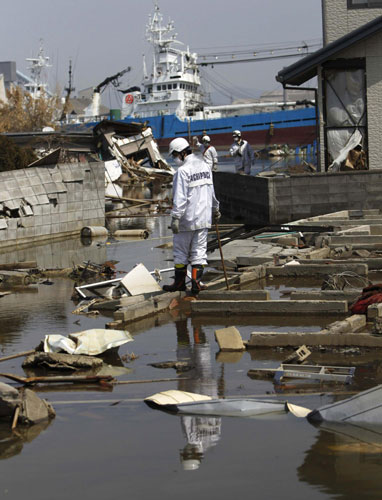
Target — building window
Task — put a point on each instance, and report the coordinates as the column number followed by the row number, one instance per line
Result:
column 364, row 4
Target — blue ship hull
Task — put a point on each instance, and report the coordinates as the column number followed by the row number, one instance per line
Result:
column 296, row 128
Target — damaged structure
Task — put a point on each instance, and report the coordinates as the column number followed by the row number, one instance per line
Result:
column 64, row 190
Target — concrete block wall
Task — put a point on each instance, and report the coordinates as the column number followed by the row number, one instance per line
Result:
column 278, row 200
column 51, row 201
column 322, row 193
column 338, row 20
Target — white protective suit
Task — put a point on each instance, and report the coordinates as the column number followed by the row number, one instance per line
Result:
column 193, row 203
column 210, row 155
column 244, row 156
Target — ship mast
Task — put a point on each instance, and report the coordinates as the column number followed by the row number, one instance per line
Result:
column 38, row 64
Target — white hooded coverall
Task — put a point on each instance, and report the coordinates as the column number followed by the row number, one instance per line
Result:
column 193, row 203
column 244, row 156
column 210, row 155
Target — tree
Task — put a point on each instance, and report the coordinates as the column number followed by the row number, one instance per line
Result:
column 25, row 113
column 12, row 156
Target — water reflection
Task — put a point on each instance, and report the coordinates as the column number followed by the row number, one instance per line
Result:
column 12, row 442
column 58, row 254
column 201, row 433
column 345, row 461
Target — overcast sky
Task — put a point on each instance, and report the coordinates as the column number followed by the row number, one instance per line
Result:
column 105, row 36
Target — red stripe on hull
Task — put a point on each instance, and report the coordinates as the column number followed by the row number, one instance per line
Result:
column 293, row 136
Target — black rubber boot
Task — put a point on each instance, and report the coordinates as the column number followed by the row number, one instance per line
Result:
column 196, row 276
column 179, row 284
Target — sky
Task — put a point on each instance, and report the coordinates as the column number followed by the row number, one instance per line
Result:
column 103, row 37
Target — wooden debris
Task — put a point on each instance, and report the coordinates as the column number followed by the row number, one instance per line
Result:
column 19, row 355
column 92, row 379
column 180, row 366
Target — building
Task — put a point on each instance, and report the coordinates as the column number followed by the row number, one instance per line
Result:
column 349, row 73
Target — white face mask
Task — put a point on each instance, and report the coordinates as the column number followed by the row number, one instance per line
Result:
column 178, row 161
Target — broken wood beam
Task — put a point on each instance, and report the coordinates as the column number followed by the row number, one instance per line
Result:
column 95, row 379
column 18, row 355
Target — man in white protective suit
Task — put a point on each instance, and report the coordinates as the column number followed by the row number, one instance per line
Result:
column 195, row 208
column 209, row 153
column 243, row 153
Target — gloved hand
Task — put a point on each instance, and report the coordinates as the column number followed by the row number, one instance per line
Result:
column 175, row 225
column 216, row 216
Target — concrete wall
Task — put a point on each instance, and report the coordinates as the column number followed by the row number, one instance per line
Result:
column 243, row 196
column 337, row 20
column 51, row 201
column 277, row 200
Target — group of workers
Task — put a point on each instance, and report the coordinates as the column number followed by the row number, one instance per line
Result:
column 195, row 207
column 241, row 150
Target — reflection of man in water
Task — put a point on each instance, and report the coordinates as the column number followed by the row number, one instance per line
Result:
column 201, row 432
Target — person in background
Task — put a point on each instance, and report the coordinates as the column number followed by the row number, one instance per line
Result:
column 243, row 153
column 195, row 207
column 209, row 153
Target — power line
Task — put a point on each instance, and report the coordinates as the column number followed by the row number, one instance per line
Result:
column 252, row 59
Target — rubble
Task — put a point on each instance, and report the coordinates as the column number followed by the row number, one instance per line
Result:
column 23, row 406
column 229, row 339
column 62, row 361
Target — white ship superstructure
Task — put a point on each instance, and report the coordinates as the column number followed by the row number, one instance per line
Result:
column 173, row 86
column 37, row 84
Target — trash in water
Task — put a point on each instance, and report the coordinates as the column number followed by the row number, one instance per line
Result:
column 310, row 372
column 90, row 342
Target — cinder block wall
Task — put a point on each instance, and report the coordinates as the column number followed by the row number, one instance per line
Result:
column 51, row 201
column 337, row 20
column 307, row 195
column 278, row 200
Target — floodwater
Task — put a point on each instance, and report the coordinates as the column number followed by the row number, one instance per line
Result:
column 107, row 444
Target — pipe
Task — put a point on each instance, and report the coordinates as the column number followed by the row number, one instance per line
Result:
column 131, row 232
column 89, row 231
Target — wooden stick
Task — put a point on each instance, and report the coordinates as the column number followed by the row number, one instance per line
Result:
column 15, row 417
column 53, row 380
column 120, row 382
column 221, row 255
column 19, row 355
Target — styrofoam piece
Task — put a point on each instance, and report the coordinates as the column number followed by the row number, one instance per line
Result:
column 139, row 281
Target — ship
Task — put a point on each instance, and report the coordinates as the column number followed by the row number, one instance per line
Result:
column 171, row 102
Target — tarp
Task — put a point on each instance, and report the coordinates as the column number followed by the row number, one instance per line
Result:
column 90, row 342
column 345, row 110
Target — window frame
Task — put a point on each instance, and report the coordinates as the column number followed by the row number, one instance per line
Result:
column 365, row 5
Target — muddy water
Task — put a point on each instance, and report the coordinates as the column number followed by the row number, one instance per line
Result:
column 106, row 443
